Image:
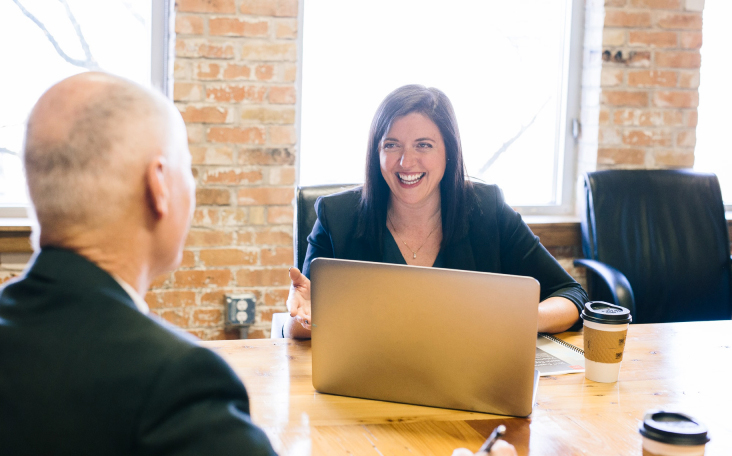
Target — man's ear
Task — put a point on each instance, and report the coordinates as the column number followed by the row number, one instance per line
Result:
column 157, row 188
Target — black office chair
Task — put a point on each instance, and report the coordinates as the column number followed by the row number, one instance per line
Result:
column 656, row 242
column 305, row 215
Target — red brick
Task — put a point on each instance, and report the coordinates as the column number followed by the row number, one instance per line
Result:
column 203, row 48
column 686, row 138
column 207, row 317
column 289, row 72
column 181, row 70
column 282, row 134
column 237, row 27
column 267, row 115
column 684, row 21
column 689, row 79
column 615, row 156
column 624, row 98
column 236, row 135
column 691, row 40
column 282, row 95
column 266, row 314
column 271, row 277
column 235, row 93
column 256, row 215
column 652, row 39
column 676, row 99
column 178, row 317
column 256, row 334
column 604, row 117
column 273, row 236
column 611, row 77
column 227, row 257
column 161, row 281
column 213, row 197
column 189, row 259
column 206, row 6
column 207, row 71
column 234, row 71
column 613, row 37
column 280, row 215
column 270, row 156
column 187, row 91
column 678, row 59
column 230, row 176
column 615, row 2
column 277, row 256
column 245, row 237
column 195, row 133
column 279, row 8
column 208, row 238
column 674, row 159
column 692, row 118
column 660, row 4
column 205, row 114
column 204, row 216
column 188, row 24
column 212, row 155
column 652, row 78
column 269, row 51
column 233, row 216
column 607, row 136
column 282, row 175
column 276, row 297
column 264, row 72
column 621, row 18
column 647, row 138
column 200, row 279
column 286, row 29
column 265, row 196
column 215, row 297
column 169, row 298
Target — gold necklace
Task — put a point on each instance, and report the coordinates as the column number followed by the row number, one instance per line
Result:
column 414, row 252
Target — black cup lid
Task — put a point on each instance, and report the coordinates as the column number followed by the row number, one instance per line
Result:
column 606, row 313
column 673, row 428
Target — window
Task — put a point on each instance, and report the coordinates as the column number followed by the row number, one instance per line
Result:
column 713, row 152
column 507, row 67
column 45, row 41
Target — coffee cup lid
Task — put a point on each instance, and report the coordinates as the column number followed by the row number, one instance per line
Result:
column 606, row 313
column 673, row 428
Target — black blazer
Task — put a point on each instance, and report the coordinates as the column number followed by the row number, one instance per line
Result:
column 498, row 241
column 82, row 371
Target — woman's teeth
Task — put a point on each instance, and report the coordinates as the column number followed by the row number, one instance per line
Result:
column 410, row 179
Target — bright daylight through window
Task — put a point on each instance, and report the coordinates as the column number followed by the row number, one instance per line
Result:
column 45, row 41
column 713, row 152
column 504, row 65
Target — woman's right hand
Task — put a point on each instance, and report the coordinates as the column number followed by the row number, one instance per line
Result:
column 298, row 301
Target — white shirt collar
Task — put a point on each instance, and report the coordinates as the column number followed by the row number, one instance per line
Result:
column 136, row 298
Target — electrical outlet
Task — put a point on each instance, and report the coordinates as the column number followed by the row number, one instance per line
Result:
column 240, row 309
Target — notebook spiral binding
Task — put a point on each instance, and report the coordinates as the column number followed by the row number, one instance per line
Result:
column 563, row 343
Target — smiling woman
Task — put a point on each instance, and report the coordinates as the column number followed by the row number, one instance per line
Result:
column 416, row 207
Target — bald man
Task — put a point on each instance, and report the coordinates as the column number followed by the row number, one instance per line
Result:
column 83, row 368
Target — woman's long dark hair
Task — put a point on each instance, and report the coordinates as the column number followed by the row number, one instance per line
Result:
column 454, row 188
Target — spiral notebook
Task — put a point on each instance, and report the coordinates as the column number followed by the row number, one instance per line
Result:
column 556, row 357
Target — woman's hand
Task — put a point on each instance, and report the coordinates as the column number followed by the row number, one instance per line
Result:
column 298, row 301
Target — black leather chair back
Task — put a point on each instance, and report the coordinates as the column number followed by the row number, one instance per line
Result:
column 666, row 231
column 305, row 215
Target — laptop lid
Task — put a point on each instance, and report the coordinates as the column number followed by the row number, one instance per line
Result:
column 439, row 337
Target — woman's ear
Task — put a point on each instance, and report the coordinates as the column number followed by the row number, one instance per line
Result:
column 157, row 188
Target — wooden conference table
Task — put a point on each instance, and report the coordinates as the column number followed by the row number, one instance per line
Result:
column 682, row 366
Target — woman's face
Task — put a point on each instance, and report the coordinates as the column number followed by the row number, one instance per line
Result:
column 412, row 158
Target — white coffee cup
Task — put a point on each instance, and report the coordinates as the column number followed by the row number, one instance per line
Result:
column 672, row 434
column 605, row 330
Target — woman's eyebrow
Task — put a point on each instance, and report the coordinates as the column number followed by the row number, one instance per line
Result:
column 425, row 139
column 389, row 139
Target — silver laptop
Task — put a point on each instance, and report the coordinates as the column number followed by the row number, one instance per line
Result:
column 427, row 336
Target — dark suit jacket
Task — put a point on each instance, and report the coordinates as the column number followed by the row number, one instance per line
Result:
column 498, row 241
column 82, row 371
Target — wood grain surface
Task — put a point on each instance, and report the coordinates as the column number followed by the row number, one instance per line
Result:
column 679, row 366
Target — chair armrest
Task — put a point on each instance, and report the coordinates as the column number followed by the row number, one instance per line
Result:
column 614, row 279
column 278, row 323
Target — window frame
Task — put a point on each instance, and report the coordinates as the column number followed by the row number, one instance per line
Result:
column 162, row 49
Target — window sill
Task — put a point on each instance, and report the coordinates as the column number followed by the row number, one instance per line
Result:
column 15, row 235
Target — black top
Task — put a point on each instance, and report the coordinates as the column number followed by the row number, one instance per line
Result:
column 84, row 372
column 497, row 241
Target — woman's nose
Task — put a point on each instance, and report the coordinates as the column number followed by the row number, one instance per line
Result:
column 409, row 158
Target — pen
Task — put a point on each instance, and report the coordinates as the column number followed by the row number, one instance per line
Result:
column 495, row 435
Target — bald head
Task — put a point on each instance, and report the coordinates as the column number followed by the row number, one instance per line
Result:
column 88, row 141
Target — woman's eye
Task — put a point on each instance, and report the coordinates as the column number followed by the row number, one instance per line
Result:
column 424, row 145
column 390, row 145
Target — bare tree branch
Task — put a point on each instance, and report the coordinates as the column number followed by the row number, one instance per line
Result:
column 132, row 11
column 9, row 152
column 508, row 143
column 89, row 63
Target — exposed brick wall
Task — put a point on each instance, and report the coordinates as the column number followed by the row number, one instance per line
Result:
column 650, row 80
column 235, row 72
